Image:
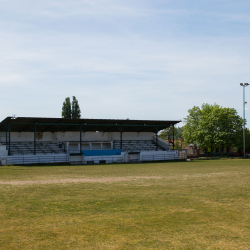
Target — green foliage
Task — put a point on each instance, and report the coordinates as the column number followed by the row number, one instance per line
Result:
column 167, row 134
column 66, row 108
column 239, row 140
column 71, row 110
column 76, row 112
column 177, row 145
column 212, row 126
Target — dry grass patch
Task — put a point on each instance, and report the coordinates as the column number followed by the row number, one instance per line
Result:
column 188, row 205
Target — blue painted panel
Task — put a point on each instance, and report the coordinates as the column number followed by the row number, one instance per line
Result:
column 102, row 152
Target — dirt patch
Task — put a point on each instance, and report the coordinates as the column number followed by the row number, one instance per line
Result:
column 115, row 179
column 80, row 180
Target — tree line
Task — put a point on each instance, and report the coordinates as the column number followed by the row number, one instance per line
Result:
column 210, row 127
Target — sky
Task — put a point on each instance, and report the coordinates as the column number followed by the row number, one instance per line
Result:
column 143, row 59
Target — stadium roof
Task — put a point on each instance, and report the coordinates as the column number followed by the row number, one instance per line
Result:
column 31, row 124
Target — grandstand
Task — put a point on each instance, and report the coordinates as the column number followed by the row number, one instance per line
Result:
column 29, row 140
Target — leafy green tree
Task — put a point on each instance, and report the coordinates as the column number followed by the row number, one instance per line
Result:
column 66, row 109
column 212, row 126
column 239, row 140
column 76, row 112
column 167, row 134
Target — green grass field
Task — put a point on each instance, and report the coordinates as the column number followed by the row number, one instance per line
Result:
column 171, row 205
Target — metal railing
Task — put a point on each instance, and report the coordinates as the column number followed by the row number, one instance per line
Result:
column 75, row 152
column 62, row 145
column 164, row 157
column 105, row 159
column 222, row 155
column 36, row 160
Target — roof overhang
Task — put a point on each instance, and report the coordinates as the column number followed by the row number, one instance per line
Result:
column 31, row 124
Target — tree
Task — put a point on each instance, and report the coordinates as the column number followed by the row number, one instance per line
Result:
column 212, row 126
column 76, row 112
column 71, row 111
column 66, row 108
column 167, row 133
column 239, row 140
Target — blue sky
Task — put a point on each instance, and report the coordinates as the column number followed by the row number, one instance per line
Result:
column 123, row 59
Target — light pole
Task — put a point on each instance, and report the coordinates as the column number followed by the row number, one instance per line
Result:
column 244, row 103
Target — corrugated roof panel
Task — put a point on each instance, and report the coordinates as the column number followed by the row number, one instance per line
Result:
column 27, row 124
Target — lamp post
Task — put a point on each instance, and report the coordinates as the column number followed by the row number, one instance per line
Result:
column 244, row 103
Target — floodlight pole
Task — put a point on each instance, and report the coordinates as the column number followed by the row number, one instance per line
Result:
column 244, row 103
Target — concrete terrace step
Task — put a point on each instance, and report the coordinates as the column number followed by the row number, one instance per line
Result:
column 27, row 148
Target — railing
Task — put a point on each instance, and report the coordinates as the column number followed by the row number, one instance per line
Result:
column 38, row 152
column 163, row 157
column 105, row 159
column 36, row 160
column 75, row 152
column 222, row 155
column 62, row 145
column 161, row 143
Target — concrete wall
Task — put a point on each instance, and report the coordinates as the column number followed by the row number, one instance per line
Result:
column 78, row 159
column 75, row 136
column 100, row 136
column 29, row 136
column 162, row 143
column 3, row 151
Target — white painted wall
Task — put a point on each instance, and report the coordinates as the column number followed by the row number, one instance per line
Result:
column 100, row 136
column 3, row 151
column 76, row 159
column 162, row 143
column 29, row 136
column 75, row 136
column 107, row 158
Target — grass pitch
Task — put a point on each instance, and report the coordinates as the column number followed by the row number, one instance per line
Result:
column 172, row 205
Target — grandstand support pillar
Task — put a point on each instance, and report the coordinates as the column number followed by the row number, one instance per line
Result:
column 35, row 140
column 9, row 141
column 156, row 138
column 121, row 138
column 173, row 136
column 6, row 137
column 80, row 139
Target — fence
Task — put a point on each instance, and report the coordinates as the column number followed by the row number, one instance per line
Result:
column 218, row 154
column 164, row 157
column 36, row 160
column 106, row 159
